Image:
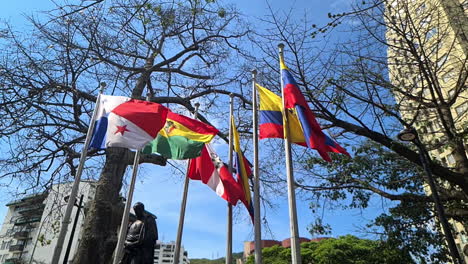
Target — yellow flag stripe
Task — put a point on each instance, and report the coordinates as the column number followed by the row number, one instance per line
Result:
column 177, row 129
column 269, row 101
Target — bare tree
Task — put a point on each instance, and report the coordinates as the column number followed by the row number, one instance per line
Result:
column 176, row 50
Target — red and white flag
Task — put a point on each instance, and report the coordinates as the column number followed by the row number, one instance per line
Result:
column 125, row 122
column 211, row 171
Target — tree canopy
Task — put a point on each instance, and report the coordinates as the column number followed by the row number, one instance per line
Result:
column 343, row 250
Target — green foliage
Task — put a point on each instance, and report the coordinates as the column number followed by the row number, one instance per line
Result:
column 343, row 250
column 216, row 261
column 374, row 169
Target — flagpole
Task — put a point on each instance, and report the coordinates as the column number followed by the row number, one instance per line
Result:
column 124, row 223
column 183, row 205
column 74, row 191
column 293, row 226
column 229, row 214
column 128, row 204
column 256, row 186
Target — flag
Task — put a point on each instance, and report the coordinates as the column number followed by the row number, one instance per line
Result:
column 210, row 169
column 295, row 101
column 271, row 118
column 243, row 171
column 181, row 138
column 125, row 122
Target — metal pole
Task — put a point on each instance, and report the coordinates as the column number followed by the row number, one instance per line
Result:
column 256, row 186
column 128, row 204
column 72, row 234
column 76, row 183
column 35, row 243
column 124, row 224
column 183, row 205
column 425, row 160
column 229, row 213
column 293, row 226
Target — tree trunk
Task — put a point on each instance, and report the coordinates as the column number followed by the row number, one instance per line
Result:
column 99, row 235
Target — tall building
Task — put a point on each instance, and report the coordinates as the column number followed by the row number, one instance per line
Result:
column 164, row 253
column 427, row 58
column 30, row 228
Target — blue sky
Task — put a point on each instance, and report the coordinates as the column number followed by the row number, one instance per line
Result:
column 160, row 190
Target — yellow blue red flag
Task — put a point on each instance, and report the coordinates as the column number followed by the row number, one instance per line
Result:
column 295, row 101
column 271, row 118
column 243, row 171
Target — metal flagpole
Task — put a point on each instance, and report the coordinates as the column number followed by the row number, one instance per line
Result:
column 124, row 224
column 229, row 214
column 183, row 205
column 128, row 204
column 74, row 191
column 293, row 226
column 257, row 224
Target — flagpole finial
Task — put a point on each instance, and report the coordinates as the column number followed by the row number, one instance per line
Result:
column 197, row 105
column 254, row 72
column 281, row 46
column 231, row 95
column 103, row 86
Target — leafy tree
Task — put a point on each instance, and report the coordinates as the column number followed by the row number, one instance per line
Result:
column 343, row 250
column 359, row 88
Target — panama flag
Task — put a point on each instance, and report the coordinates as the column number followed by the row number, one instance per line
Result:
column 127, row 123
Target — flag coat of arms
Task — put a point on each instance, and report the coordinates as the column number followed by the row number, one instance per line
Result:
column 181, row 138
column 125, row 122
column 211, row 170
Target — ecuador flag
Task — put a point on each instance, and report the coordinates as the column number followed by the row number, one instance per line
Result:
column 181, row 138
column 271, row 119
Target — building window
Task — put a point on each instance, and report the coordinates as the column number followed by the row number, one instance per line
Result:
column 441, row 61
column 431, row 33
column 421, row 8
column 450, row 75
column 461, row 109
column 450, row 159
column 451, row 92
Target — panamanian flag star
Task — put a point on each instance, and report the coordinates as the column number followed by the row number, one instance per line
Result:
column 125, row 122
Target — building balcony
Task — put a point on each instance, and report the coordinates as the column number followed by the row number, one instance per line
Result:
column 21, row 235
column 27, row 220
column 33, row 209
column 30, row 199
column 12, row 261
column 16, row 248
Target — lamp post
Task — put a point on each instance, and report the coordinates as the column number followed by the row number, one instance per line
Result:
column 410, row 134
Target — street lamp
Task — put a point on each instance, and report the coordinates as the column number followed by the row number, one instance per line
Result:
column 411, row 135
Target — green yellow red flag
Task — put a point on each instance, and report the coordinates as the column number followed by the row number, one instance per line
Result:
column 181, row 138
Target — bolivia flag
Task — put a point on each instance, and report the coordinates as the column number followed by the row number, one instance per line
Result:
column 181, row 138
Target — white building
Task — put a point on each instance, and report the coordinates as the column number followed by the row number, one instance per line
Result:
column 31, row 226
column 164, row 253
